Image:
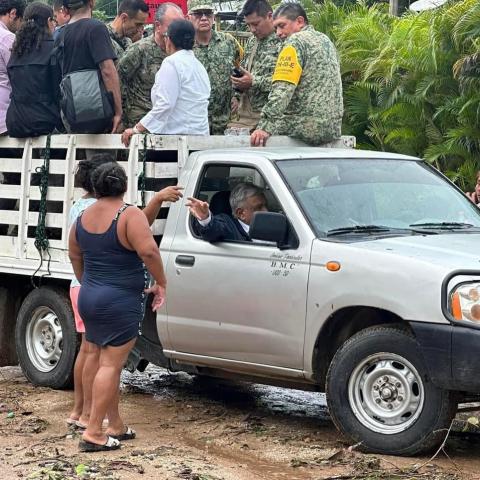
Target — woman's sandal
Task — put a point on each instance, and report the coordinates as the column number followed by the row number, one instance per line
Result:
column 129, row 434
column 111, row 444
column 75, row 424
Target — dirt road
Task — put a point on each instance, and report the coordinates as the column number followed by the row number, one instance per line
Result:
column 203, row 429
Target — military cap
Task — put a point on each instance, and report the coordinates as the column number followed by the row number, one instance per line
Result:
column 198, row 5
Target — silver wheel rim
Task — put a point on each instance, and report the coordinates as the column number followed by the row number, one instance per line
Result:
column 44, row 339
column 386, row 393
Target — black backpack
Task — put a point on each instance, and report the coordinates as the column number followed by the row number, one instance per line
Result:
column 85, row 104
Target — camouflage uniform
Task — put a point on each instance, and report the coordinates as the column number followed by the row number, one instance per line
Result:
column 137, row 69
column 263, row 65
column 119, row 44
column 306, row 98
column 219, row 57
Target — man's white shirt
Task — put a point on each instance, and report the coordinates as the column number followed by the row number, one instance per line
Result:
column 180, row 97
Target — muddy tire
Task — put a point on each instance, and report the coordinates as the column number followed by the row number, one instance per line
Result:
column 45, row 338
column 379, row 394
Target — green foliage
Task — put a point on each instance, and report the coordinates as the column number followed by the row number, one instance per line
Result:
column 411, row 84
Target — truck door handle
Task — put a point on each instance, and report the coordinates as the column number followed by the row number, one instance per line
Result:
column 185, row 260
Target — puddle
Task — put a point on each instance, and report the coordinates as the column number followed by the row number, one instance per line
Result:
column 260, row 399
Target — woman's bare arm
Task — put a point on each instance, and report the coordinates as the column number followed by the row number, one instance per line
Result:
column 75, row 254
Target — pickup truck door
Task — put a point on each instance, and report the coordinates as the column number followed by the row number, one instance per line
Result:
column 241, row 302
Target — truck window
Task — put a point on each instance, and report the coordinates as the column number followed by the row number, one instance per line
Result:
column 217, row 181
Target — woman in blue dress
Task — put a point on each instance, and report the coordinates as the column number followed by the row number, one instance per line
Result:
column 111, row 248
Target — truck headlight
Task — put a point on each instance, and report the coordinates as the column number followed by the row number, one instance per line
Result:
column 465, row 302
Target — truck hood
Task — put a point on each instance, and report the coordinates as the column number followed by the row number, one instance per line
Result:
column 452, row 250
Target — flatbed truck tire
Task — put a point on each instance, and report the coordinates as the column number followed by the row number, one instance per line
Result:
column 380, row 396
column 45, row 338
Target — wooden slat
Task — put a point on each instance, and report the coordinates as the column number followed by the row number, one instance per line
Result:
column 53, row 220
column 57, row 253
column 8, row 246
column 158, row 227
column 13, row 165
column 10, row 191
column 9, row 217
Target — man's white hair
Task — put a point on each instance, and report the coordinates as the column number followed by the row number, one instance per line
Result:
column 241, row 192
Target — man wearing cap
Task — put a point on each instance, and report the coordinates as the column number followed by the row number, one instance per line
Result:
column 219, row 52
column 130, row 19
column 140, row 63
column 306, row 99
column 261, row 53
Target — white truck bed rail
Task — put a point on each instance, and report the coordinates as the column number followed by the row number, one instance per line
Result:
column 20, row 194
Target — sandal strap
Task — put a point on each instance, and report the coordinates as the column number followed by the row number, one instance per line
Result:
column 112, row 442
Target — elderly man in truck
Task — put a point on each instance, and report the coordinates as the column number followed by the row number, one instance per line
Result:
column 245, row 199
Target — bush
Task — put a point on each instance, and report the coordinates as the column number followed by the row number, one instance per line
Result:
column 411, row 84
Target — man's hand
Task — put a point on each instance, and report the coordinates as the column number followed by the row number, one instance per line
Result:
column 259, row 138
column 244, row 82
column 158, row 296
column 200, row 210
column 472, row 196
column 234, row 104
column 169, row 194
column 126, row 136
column 117, row 120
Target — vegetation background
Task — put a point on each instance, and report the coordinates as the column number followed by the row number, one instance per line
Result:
column 411, row 83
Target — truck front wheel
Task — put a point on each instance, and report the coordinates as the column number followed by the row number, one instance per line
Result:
column 379, row 394
column 45, row 338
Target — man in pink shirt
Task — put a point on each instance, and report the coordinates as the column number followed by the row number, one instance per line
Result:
column 11, row 13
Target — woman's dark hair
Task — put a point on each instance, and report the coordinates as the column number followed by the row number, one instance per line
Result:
column 34, row 29
column 182, row 34
column 109, row 180
column 83, row 174
column 75, row 4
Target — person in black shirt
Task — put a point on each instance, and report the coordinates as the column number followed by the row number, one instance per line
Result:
column 34, row 76
column 87, row 46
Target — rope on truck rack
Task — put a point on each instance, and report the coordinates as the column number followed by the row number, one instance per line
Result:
column 41, row 239
column 143, row 174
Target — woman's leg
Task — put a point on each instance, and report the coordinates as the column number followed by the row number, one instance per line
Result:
column 77, row 380
column 105, row 389
column 92, row 356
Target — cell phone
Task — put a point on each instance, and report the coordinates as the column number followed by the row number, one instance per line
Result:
column 236, row 72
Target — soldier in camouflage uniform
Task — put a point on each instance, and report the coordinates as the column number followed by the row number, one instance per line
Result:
column 140, row 63
column 130, row 19
column 306, row 99
column 219, row 52
column 261, row 53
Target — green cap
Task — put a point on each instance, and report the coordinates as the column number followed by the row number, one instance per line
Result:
column 196, row 5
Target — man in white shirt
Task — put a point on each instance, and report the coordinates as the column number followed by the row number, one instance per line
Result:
column 11, row 14
column 245, row 199
column 181, row 90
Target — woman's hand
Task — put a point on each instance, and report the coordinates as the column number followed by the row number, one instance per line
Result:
column 158, row 296
column 169, row 194
column 126, row 136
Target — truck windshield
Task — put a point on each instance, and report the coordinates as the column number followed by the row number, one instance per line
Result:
column 370, row 197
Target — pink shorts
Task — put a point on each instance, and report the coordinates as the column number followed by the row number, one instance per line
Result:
column 79, row 325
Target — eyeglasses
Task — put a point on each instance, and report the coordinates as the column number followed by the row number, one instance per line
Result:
column 201, row 13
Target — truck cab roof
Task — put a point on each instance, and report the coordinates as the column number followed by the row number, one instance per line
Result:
column 292, row 153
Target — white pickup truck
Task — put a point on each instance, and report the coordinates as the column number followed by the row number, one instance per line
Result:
column 362, row 281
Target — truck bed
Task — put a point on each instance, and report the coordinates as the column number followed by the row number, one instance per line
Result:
column 20, row 193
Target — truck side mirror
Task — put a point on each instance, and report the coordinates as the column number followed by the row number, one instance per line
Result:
column 269, row 227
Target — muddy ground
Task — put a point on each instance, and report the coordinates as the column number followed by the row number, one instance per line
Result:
column 203, row 429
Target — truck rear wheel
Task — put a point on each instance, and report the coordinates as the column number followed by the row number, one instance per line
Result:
column 46, row 339
column 379, row 394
